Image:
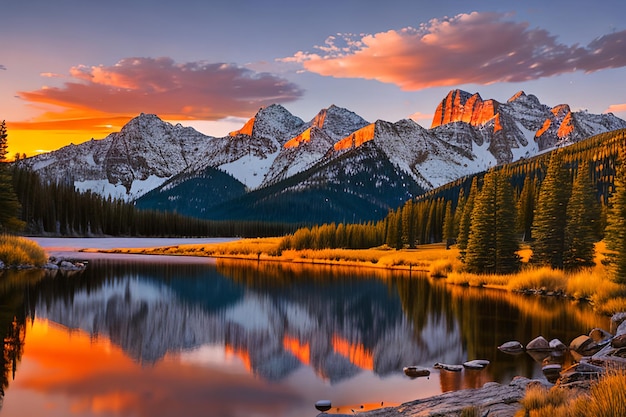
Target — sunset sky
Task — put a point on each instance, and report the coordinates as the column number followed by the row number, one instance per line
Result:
column 73, row 70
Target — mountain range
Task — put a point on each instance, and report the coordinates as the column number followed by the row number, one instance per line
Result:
column 336, row 167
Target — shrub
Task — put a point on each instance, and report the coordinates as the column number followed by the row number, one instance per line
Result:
column 16, row 251
column 539, row 278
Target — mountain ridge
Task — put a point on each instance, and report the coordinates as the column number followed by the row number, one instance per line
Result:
column 468, row 135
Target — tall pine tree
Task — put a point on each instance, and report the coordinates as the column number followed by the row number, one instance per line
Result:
column 615, row 233
column 550, row 215
column 492, row 245
column 466, row 218
column 583, row 214
column 9, row 205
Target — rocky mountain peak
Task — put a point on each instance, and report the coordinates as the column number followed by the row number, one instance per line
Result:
column 461, row 106
column 520, row 94
column 357, row 138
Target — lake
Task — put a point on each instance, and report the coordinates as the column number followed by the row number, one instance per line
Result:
column 178, row 336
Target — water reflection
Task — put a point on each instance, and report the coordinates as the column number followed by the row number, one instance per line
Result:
column 157, row 338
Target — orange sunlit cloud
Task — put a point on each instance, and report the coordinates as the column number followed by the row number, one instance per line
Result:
column 192, row 90
column 480, row 48
column 616, row 108
column 98, row 100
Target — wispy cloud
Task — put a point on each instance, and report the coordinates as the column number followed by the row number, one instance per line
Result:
column 2, row 67
column 193, row 90
column 480, row 48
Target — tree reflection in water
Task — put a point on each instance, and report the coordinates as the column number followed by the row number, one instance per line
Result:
column 283, row 320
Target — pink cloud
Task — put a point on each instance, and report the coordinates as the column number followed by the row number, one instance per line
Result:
column 193, row 90
column 480, row 48
column 616, row 108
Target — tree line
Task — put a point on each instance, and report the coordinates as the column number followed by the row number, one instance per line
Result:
column 561, row 202
column 53, row 208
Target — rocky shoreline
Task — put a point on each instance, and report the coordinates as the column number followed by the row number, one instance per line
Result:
column 54, row 264
column 593, row 355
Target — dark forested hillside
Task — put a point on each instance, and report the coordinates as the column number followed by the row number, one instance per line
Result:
column 58, row 209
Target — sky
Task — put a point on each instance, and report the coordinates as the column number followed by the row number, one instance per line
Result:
column 73, row 70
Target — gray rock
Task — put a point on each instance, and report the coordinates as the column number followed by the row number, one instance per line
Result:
column 616, row 320
column 539, row 343
column 493, row 399
column 556, row 344
column 600, row 336
column 619, row 341
column 513, row 347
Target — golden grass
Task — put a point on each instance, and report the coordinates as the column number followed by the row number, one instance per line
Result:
column 606, row 398
column 592, row 284
column 18, row 251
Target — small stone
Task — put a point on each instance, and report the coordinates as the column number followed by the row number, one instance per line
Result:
column 476, row 364
column 448, row 367
column 416, row 371
column 323, row 405
column 513, row 347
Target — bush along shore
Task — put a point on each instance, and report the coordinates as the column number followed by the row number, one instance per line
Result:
column 20, row 253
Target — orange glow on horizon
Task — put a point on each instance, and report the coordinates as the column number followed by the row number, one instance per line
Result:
column 33, row 138
column 355, row 353
column 302, row 351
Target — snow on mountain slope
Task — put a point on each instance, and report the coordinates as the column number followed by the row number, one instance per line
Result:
column 468, row 135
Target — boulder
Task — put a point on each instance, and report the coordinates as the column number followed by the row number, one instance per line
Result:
column 600, row 336
column 583, row 346
column 538, row 344
column 557, row 345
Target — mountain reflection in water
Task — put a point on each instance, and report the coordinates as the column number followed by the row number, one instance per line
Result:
column 240, row 337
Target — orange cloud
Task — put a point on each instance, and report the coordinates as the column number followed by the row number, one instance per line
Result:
column 193, row 90
column 480, row 48
column 616, row 108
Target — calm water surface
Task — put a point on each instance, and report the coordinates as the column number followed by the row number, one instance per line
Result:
column 160, row 336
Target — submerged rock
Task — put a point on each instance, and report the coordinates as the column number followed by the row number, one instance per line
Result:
column 448, row 367
column 476, row 364
column 513, row 347
column 416, row 371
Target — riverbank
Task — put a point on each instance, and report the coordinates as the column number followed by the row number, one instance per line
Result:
column 590, row 285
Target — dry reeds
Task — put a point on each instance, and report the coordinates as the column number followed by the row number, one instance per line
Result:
column 18, row 251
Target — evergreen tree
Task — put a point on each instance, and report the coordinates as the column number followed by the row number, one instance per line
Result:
column 408, row 225
column 492, row 245
column 583, row 213
column 9, row 205
column 550, row 215
column 448, row 225
column 466, row 218
column 525, row 208
column 615, row 233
